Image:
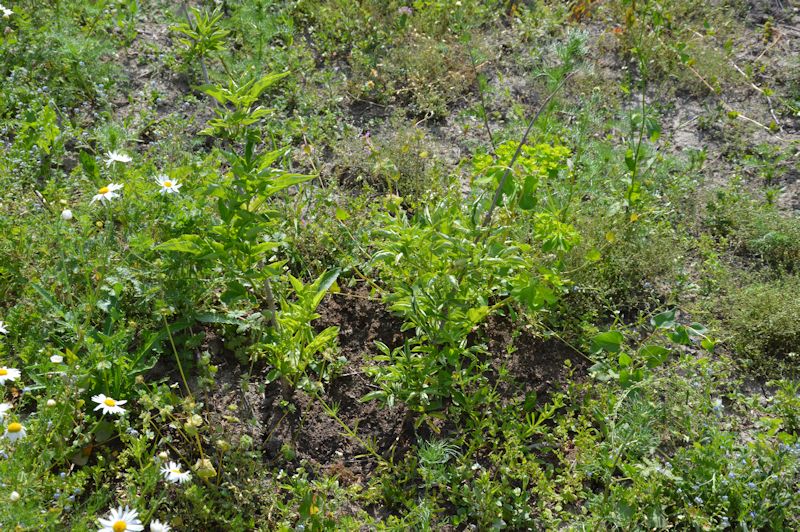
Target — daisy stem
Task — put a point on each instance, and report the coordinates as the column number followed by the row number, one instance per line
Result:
column 199, row 445
column 177, row 358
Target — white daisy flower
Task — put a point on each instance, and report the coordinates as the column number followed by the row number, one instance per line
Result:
column 56, row 359
column 6, row 12
column 106, row 193
column 121, row 520
column 15, row 431
column 66, row 215
column 173, row 473
column 14, row 496
column 158, row 526
column 3, row 328
column 8, row 374
column 108, row 405
column 4, row 407
column 168, row 185
column 116, row 157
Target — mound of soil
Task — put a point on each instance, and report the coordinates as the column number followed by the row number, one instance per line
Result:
column 534, row 365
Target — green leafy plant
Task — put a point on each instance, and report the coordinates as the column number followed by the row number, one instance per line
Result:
column 631, row 368
column 237, row 109
column 202, row 37
column 293, row 346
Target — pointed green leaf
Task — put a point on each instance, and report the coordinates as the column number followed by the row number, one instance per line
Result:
column 664, row 320
column 610, row 341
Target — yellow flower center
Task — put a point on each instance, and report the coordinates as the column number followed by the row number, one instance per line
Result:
column 14, row 427
column 167, row 184
column 110, row 402
column 120, row 526
column 176, row 471
column 3, row 372
column 104, row 190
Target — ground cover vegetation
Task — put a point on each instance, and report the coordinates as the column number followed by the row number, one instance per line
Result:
column 399, row 265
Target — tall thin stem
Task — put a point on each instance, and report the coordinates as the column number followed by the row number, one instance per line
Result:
column 177, row 358
column 484, row 115
column 487, row 220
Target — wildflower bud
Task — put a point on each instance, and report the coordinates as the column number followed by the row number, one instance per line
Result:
column 51, row 403
column 139, row 379
column 223, row 446
column 205, row 469
column 14, row 496
column 66, row 214
column 163, row 455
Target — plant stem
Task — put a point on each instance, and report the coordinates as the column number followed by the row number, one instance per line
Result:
column 273, row 311
column 199, row 58
column 484, row 116
column 177, row 358
column 487, row 220
column 637, row 153
column 349, row 431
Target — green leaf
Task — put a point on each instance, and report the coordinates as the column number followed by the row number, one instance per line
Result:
column 217, row 318
column 265, row 160
column 527, row 198
column 680, row 336
column 153, row 340
column 630, row 160
column 220, row 94
column 602, row 372
column 664, row 320
column 530, row 292
column 225, row 212
column 342, row 214
column 193, row 244
column 624, row 360
column 655, row 355
column 273, row 268
column 104, row 431
column 89, row 165
column 630, row 377
column 325, row 281
column 260, row 249
column 49, row 129
column 697, row 329
column 708, row 344
column 276, row 184
column 610, row 341
column 264, row 83
column 510, row 186
column 476, row 315
column 320, row 341
column 371, row 396
column 49, row 298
